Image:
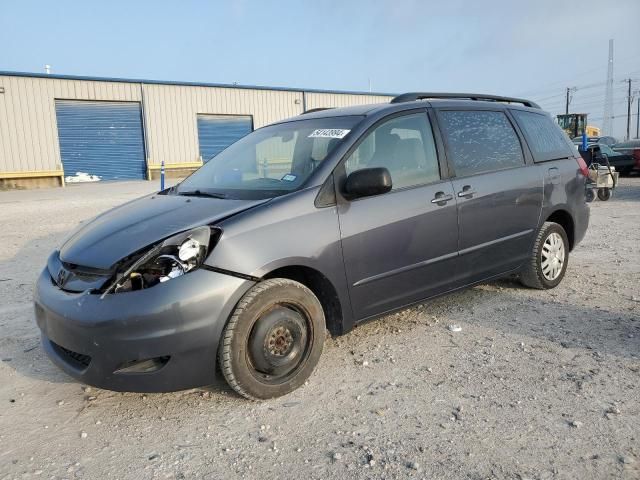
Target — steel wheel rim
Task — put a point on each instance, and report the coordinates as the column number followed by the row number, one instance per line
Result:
column 552, row 256
column 278, row 351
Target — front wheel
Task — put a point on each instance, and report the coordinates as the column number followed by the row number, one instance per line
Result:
column 590, row 195
column 273, row 340
column 549, row 258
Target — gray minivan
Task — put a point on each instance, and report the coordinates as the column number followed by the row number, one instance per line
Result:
column 315, row 223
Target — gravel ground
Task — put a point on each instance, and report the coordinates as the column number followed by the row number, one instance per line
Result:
column 535, row 385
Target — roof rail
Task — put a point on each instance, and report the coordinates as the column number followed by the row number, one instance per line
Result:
column 312, row 110
column 410, row 97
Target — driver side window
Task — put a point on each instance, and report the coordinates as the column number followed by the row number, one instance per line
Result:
column 404, row 146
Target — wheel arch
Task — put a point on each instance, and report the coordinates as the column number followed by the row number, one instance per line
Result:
column 563, row 218
column 321, row 287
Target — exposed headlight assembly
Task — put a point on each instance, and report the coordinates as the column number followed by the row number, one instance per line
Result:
column 172, row 258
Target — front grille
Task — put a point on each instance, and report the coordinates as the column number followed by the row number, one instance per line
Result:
column 76, row 278
column 75, row 359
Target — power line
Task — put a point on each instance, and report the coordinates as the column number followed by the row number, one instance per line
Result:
column 560, row 82
column 581, row 103
column 578, row 88
column 613, row 116
column 577, row 97
column 587, row 107
column 547, row 98
column 582, row 100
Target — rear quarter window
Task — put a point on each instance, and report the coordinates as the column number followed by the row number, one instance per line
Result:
column 480, row 141
column 545, row 139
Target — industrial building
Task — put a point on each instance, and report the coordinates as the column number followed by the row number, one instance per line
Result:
column 54, row 126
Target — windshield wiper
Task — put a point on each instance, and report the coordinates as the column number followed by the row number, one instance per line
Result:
column 200, row 193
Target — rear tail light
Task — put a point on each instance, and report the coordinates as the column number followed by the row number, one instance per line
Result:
column 583, row 166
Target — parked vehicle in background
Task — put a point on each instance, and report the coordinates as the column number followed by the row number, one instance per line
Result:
column 623, row 163
column 320, row 222
column 606, row 140
column 630, row 147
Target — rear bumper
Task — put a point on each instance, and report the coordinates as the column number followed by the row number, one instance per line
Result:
column 581, row 222
column 179, row 322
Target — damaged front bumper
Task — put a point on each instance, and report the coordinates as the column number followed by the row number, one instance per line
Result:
column 160, row 339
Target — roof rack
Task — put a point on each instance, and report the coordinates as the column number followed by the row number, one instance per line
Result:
column 410, row 97
column 312, row 110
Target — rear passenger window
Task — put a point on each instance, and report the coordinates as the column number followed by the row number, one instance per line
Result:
column 546, row 140
column 404, row 146
column 480, row 141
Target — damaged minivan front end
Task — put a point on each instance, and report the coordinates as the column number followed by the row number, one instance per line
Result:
column 152, row 320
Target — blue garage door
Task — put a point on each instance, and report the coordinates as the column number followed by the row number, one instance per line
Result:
column 101, row 138
column 217, row 132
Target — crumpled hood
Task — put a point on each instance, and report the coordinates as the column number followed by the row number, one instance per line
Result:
column 126, row 229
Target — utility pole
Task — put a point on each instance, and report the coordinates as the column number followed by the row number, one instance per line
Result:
column 638, row 115
column 629, row 100
column 570, row 90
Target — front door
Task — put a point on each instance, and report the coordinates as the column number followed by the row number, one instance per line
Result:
column 399, row 247
column 499, row 195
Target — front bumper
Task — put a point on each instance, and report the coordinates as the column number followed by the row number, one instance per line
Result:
column 179, row 322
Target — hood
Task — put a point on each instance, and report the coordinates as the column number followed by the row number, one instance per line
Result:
column 124, row 230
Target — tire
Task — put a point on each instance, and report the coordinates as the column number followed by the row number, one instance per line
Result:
column 590, row 195
column 626, row 172
column 604, row 194
column 273, row 340
column 538, row 274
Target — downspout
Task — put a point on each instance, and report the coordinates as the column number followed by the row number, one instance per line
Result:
column 145, row 140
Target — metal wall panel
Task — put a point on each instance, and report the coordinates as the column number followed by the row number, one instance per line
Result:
column 326, row 100
column 171, row 113
column 101, row 138
column 217, row 132
column 28, row 127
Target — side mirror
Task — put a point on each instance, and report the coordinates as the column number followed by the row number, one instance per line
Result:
column 368, row 182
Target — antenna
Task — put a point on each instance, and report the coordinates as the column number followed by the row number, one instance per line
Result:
column 607, row 127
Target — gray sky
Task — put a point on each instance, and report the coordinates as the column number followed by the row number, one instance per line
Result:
column 528, row 48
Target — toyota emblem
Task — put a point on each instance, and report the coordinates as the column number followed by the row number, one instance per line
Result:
column 62, row 277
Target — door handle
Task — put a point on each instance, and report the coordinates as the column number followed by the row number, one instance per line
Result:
column 441, row 198
column 467, row 192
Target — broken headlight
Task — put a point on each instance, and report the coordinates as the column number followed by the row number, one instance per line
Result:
column 172, row 258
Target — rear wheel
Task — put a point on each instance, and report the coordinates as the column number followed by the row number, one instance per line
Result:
column 549, row 258
column 604, row 194
column 273, row 340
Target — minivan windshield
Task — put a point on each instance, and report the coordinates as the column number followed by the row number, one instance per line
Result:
column 269, row 162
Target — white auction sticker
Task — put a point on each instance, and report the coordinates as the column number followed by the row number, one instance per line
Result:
column 329, row 133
